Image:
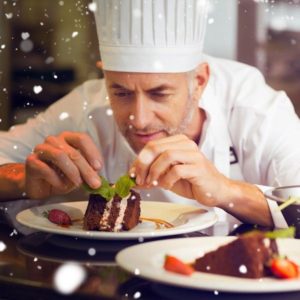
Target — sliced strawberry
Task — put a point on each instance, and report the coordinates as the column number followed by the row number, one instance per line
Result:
column 59, row 217
column 284, row 268
column 175, row 265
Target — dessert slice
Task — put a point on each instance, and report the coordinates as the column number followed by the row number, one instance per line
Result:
column 113, row 208
column 247, row 257
column 117, row 214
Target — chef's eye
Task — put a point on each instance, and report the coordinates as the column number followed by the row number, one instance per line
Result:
column 122, row 94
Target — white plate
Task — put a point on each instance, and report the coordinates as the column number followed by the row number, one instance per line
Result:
column 185, row 219
column 147, row 260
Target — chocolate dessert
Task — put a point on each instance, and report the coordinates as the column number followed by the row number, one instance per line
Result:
column 245, row 257
column 116, row 214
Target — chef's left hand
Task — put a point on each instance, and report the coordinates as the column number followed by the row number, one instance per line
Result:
column 176, row 163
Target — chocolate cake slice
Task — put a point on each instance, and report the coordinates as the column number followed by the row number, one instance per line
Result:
column 114, row 215
column 245, row 257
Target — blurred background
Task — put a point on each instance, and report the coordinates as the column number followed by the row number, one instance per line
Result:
column 48, row 47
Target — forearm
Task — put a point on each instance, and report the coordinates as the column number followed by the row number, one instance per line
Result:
column 12, row 181
column 247, row 203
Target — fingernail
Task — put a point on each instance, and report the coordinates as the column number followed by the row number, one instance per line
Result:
column 97, row 164
column 132, row 173
column 138, row 180
column 95, row 182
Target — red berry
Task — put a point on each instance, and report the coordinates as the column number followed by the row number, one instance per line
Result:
column 175, row 265
column 59, row 217
column 284, row 268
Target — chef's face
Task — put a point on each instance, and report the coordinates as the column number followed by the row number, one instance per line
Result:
column 149, row 106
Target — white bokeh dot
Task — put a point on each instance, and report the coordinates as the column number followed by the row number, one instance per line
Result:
column 92, row 251
column 68, row 277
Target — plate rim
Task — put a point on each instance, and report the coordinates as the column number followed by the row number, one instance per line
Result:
column 182, row 281
column 117, row 235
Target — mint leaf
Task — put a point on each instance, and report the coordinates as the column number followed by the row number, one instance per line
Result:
column 281, row 233
column 105, row 190
column 123, row 185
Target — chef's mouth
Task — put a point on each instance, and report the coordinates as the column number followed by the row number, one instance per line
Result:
column 146, row 137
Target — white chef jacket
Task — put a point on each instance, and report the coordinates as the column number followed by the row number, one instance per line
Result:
column 251, row 132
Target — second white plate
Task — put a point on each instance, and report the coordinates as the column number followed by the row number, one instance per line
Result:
column 146, row 260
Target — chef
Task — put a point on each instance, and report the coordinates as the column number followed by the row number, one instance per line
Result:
column 191, row 128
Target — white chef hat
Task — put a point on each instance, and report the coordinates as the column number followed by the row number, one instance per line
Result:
column 151, row 36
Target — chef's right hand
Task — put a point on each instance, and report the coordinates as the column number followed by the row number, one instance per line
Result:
column 61, row 164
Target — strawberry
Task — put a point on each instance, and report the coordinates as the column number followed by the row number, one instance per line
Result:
column 175, row 265
column 59, row 217
column 284, row 268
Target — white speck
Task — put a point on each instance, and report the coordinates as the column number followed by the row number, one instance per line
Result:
column 137, row 13
column 231, row 204
column 39, row 267
column 141, row 239
column 211, row 21
column 92, row 251
column 14, row 232
column 37, row 89
column 64, row 115
column 68, row 277
column 3, row 46
column 243, row 269
column 74, row 34
column 92, row 7
column 109, row 112
column 209, row 195
column 107, row 98
column 49, row 60
column 42, row 23
column 131, row 117
column 216, row 293
column 2, row 246
column 25, row 35
column 15, row 147
column 147, row 195
column 26, row 46
column 9, row 15
column 155, row 182
column 207, row 268
column 35, row 259
column 137, row 271
column 24, row 194
column 137, row 295
column 235, row 226
column 293, row 42
column 0, row 120
column 61, row 3
column 130, row 126
column 55, row 76
column 132, row 175
column 90, row 117
column 11, row 274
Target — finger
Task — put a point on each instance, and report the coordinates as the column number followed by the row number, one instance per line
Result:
column 167, row 160
column 41, row 178
column 86, row 146
column 87, row 173
column 61, row 160
column 177, row 173
column 152, row 150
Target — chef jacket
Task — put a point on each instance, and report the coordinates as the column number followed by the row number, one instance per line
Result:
column 251, row 133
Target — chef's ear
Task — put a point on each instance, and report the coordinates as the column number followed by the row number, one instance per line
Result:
column 202, row 73
column 99, row 65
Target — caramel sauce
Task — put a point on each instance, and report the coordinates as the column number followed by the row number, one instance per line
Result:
column 159, row 223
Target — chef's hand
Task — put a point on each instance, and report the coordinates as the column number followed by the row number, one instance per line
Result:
column 61, row 163
column 175, row 163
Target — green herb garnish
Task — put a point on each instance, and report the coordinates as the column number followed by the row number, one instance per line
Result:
column 281, row 233
column 288, row 202
column 107, row 191
column 123, row 185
